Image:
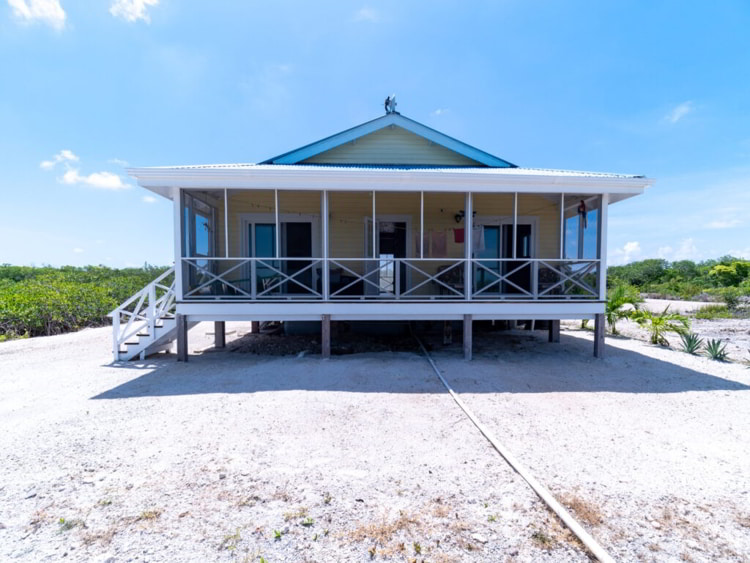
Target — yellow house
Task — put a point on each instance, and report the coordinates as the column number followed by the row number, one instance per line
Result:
column 389, row 220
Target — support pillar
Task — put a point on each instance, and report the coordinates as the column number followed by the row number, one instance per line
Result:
column 467, row 337
column 255, row 327
column 325, row 336
column 554, row 331
column 219, row 334
column 182, row 338
column 599, row 336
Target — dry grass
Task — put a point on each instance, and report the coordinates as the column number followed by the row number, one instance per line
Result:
column 101, row 537
column 384, row 532
column 583, row 510
column 301, row 512
column 151, row 514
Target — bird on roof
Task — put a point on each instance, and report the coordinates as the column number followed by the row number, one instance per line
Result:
column 387, row 103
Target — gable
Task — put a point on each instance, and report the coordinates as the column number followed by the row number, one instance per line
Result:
column 392, row 146
column 391, row 140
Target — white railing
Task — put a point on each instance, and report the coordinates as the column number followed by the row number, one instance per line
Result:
column 142, row 311
column 283, row 279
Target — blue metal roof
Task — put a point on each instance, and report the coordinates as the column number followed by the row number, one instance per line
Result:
column 303, row 153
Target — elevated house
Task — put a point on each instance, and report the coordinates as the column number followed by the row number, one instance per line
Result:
column 388, row 220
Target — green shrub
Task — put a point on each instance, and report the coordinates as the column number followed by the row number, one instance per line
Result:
column 617, row 300
column 713, row 312
column 716, row 350
column 45, row 301
column 659, row 324
column 691, row 342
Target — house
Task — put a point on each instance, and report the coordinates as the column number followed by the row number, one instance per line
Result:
column 388, row 220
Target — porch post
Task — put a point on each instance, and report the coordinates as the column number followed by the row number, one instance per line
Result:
column 467, row 336
column 325, row 336
column 182, row 338
column 562, row 226
column 374, row 227
column 515, row 222
column 421, row 225
column 324, row 226
column 554, row 330
column 226, row 224
column 602, row 246
column 276, row 212
column 178, row 238
column 599, row 335
column 219, row 334
column 468, row 244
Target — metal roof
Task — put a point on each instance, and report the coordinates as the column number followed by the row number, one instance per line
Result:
column 549, row 172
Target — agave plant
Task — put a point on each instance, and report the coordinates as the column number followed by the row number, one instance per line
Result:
column 659, row 324
column 691, row 342
column 717, row 350
column 617, row 299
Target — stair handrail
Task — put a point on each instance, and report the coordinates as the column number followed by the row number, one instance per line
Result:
column 153, row 310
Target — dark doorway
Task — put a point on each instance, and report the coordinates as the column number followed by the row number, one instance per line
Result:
column 521, row 278
column 298, row 244
column 391, row 244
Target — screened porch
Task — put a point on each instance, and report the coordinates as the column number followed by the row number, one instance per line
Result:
column 313, row 245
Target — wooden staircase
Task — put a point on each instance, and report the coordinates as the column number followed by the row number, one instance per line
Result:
column 145, row 323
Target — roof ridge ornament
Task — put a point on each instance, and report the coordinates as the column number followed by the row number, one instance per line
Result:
column 390, row 104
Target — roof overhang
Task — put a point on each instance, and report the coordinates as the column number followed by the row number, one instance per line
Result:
column 165, row 181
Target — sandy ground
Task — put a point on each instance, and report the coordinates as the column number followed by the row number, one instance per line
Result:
column 735, row 333
column 236, row 456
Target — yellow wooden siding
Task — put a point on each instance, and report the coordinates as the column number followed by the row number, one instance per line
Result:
column 392, row 145
column 348, row 211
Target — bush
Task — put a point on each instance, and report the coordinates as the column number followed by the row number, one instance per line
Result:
column 45, row 301
column 659, row 324
column 713, row 312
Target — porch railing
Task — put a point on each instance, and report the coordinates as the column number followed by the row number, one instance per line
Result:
column 355, row 279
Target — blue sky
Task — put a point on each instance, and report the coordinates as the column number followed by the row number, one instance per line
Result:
column 656, row 88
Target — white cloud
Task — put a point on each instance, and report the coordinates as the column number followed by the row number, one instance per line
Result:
column 367, row 15
column 628, row 253
column 440, row 111
column 101, row 180
column 78, row 250
column 118, row 162
column 665, row 252
column 46, row 11
column 132, row 10
column 148, row 199
column 727, row 224
column 687, row 251
column 679, row 111
column 63, row 156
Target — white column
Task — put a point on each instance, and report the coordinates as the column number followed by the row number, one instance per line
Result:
column 515, row 222
column 278, row 231
column 602, row 244
column 226, row 224
column 178, row 238
column 374, row 227
column 468, row 245
column 421, row 224
column 324, row 224
column 562, row 226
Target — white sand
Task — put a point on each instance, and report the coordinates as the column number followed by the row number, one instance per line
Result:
column 203, row 461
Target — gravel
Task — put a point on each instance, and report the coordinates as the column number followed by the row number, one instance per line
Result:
column 238, row 456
